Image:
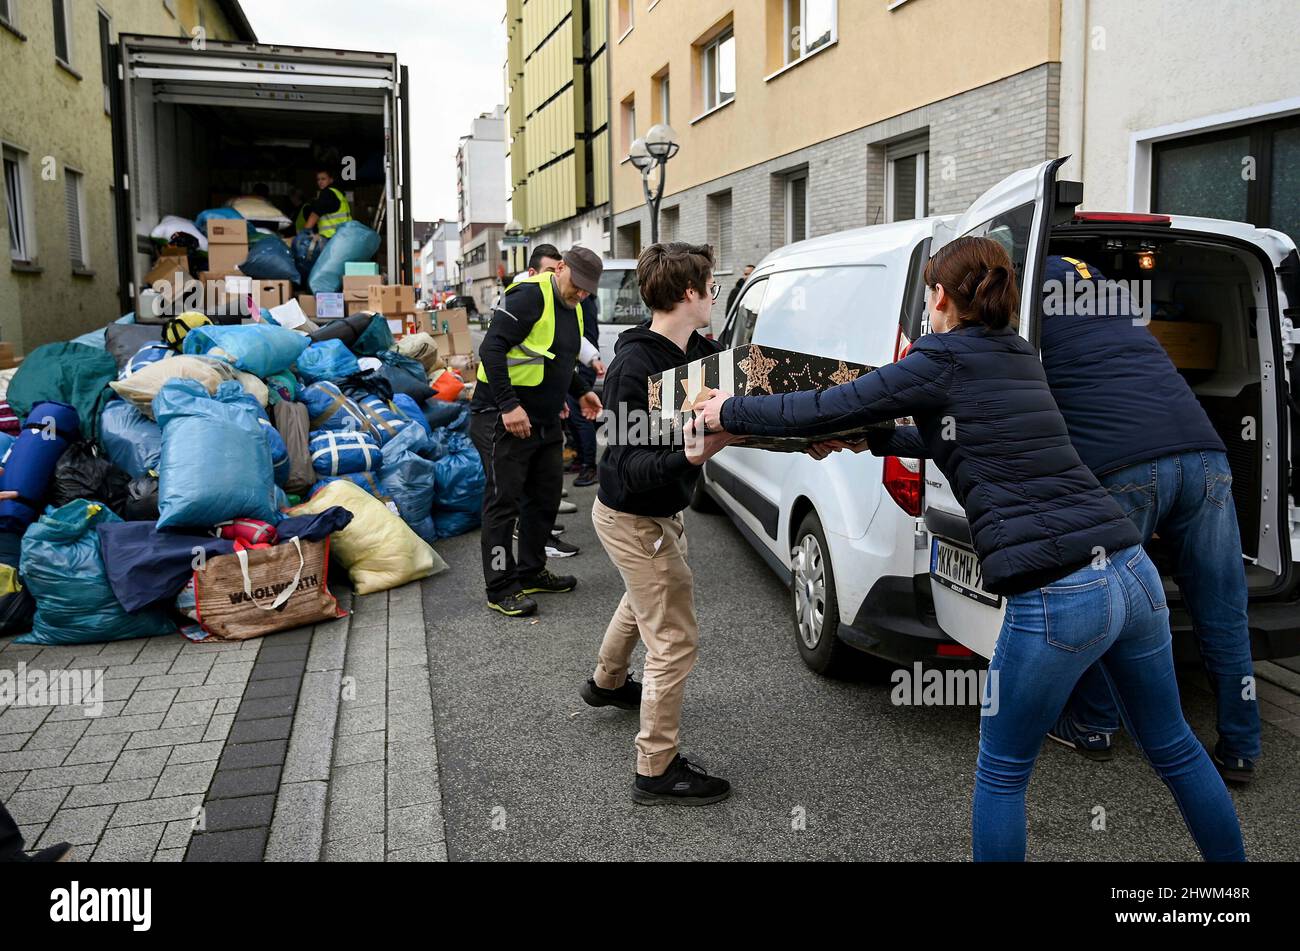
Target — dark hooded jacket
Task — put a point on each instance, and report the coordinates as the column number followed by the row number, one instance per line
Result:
column 639, row 473
column 985, row 415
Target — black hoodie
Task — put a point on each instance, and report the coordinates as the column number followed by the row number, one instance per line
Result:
column 639, row 473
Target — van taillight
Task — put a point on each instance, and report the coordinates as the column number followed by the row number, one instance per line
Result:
column 902, row 477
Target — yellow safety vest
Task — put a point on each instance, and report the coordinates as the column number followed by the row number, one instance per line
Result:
column 526, row 363
column 326, row 225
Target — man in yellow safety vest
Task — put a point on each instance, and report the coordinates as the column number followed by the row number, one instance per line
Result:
column 330, row 211
column 527, row 368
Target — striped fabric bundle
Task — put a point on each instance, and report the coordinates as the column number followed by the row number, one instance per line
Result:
column 330, row 408
column 9, row 422
column 386, row 418
column 149, row 353
column 334, row 454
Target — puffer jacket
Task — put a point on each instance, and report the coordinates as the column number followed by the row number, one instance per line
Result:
column 985, row 415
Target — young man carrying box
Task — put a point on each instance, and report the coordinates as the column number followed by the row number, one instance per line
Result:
column 646, row 479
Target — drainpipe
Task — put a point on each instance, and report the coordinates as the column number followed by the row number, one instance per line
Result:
column 1075, row 42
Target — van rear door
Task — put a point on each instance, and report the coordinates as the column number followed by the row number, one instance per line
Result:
column 1018, row 212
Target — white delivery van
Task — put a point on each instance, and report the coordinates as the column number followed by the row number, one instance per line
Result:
column 877, row 551
column 621, row 306
column 192, row 125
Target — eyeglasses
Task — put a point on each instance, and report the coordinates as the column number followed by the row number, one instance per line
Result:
column 714, row 289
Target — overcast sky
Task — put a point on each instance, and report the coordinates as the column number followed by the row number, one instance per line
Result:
column 453, row 49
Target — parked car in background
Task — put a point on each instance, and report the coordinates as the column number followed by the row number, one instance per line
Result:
column 877, row 552
column 621, row 306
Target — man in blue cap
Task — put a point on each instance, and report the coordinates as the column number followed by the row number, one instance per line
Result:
column 1136, row 423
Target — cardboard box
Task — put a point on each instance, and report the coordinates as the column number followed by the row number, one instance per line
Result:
column 392, row 298
column 443, row 342
column 272, row 293
column 171, row 261
column 308, row 304
column 396, row 326
column 753, row 371
column 226, row 258
column 356, row 307
column 227, row 231
column 461, row 342
column 1191, row 345
column 361, row 268
column 453, row 320
column 8, row 359
column 358, row 288
column 424, row 323
column 329, row 306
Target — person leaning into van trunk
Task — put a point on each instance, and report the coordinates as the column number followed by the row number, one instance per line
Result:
column 1139, row 427
column 645, row 483
column 528, row 359
column 1079, row 587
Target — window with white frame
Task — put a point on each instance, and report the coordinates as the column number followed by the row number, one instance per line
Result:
column 9, row 13
column 106, row 59
column 63, row 32
column 906, row 177
column 719, row 230
column 626, row 16
column 629, row 123
column 74, row 187
column 809, row 25
column 665, row 113
column 718, row 66
column 18, row 206
column 796, row 207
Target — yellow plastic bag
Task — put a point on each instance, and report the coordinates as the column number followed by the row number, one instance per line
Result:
column 377, row 548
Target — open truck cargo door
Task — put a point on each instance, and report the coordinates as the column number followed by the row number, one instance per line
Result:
column 192, row 118
column 1018, row 212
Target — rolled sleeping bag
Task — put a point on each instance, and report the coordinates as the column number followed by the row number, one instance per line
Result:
column 49, row 430
column 334, row 454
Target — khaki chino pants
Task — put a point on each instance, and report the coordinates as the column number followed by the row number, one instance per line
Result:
column 659, row 609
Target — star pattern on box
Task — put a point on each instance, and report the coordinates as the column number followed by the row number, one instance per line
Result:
column 656, row 394
column 757, row 368
column 845, row 374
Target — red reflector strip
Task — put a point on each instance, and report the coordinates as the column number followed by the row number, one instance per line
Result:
column 953, row 650
column 1122, row 217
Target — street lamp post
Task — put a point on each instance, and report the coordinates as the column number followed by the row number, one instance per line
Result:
column 651, row 151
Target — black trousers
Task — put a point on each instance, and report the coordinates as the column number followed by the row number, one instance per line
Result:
column 524, row 482
column 11, row 840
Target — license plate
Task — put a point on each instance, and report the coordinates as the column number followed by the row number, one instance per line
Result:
column 958, row 569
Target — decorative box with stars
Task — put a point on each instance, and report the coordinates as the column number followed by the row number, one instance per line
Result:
column 753, row 371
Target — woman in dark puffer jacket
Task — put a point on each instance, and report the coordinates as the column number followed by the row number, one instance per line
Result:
column 1078, row 586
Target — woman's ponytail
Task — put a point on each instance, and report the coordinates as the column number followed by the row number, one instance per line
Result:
column 980, row 279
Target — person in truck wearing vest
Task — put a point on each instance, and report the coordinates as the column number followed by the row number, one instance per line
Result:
column 330, row 211
column 528, row 367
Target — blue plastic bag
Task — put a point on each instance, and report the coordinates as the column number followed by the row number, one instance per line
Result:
column 329, row 408
column 306, row 249
column 271, row 260
column 440, row 414
column 63, row 568
column 458, row 489
column 149, row 353
column 258, row 349
column 409, row 408
column 409, row 480
column 353, row 241
column 48, row 430
column 335, row 454
column 327, row 360
column 369, row 481
column 386, row 418
column 215, row 463
column 131, row 440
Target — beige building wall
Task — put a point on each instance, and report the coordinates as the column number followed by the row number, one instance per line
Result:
column 55, row 115
column 889, row 58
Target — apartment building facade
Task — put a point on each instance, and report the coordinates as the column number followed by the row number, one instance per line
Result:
column 57, row 145
column 481, row 206
column 439, row 260
column 557, row 116
column 802, row 117
column 1222, row 137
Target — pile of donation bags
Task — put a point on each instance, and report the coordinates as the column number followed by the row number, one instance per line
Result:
column 202, row 478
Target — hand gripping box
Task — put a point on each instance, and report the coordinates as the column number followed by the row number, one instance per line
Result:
column 755, row 371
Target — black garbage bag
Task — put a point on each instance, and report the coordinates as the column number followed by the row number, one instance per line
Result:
column 142, row 500
column 367, row 383
column 17, row 606
column 81, row 473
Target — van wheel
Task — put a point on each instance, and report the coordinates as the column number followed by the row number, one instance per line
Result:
column 814, row 604
column 701, row 501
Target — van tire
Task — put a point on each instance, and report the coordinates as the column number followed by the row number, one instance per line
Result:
column 829, row 656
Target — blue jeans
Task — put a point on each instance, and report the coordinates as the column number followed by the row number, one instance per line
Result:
column 1187, row 499
column 1114, row 614
column 583, row 432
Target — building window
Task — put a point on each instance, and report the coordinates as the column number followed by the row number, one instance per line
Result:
column 629, row 240
column 1247, row 173
column 796, row 207
column 663, row 111
column 106, row 59
column 74, row 192
column 670, row 223
column 629, row 123
column 62, row 33
column 906, row 178
column 718, row 70
column 809, row 25
column 625, row 16
column 18, row 206
column 720, row 234
column 9, row 13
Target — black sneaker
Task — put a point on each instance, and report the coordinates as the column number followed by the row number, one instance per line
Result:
column 682, row 784
column 61, row 852
column 515, row 605
column 626, row 697
column 1093, row 746
column 559, row 548
column 546, row 583
column 557, row 530
column 1233, row 769
column 586, row 477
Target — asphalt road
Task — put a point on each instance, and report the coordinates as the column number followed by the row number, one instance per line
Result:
column 530, row 772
